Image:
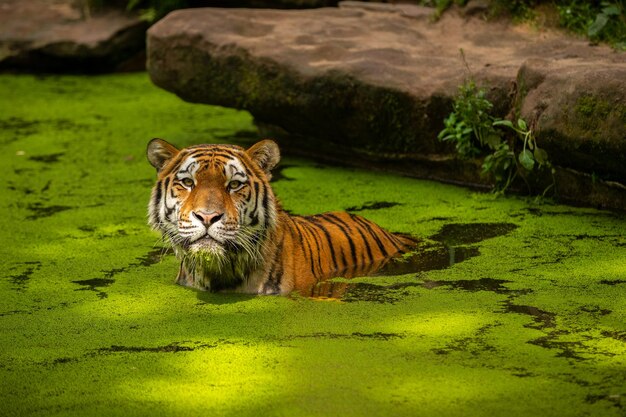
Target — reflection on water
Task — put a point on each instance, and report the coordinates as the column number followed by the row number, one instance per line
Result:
column 427, row 257
column 449, row 246
column 455, row 234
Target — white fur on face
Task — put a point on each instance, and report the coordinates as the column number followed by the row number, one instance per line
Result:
column 235, row 171
column 193, row 230
column 188, row 168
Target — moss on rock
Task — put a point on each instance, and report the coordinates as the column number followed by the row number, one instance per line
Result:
column 595, row 112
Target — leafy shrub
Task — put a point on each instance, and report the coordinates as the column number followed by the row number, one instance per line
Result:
column 510, row 150
column 600, row 21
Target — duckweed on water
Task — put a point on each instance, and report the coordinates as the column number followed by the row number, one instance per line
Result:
column 522, row 319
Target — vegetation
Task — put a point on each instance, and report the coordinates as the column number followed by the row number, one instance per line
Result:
column 599, row 20
column 153, row 10
column 149, row 10
column 510, row 149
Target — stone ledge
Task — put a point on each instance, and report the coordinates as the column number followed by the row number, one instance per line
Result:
column 54, row 36
column 377, row 83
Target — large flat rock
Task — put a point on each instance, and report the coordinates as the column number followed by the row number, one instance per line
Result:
column 374, row 82
column 60, row 36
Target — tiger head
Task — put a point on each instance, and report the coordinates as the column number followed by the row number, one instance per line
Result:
column 213, row 202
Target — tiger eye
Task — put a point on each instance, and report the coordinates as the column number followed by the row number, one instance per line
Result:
column 234, row 184
column 187, row 182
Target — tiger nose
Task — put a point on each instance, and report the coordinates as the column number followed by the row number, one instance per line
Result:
column 207, row 218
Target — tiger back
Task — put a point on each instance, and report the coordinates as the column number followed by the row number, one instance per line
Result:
column 215, row 206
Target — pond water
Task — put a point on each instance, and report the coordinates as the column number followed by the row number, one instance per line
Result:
column 448, row 247
column 507, row 306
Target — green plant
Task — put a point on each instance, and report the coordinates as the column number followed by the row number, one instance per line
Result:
column 510, row 149
column 470, row 126
column 149, row 10
column 153, row 10
column 599, row 21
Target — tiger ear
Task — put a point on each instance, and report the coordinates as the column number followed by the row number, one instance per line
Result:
column 159, row 152
column 265, row 153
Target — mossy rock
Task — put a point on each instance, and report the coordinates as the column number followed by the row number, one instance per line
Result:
column 579, row 114
column 371, row 85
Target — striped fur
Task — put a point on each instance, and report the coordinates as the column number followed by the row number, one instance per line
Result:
column 214, row 205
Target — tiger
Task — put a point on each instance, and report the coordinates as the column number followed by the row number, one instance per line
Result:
column 214, row 205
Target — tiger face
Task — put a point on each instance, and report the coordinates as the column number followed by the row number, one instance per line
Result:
column 213, row 202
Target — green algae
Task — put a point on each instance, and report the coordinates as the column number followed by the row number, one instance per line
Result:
column 590, row 111
column 531, row 322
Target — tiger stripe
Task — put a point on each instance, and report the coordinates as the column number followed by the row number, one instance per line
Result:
column 346, row 233
column 372, row 233
column 321, row 226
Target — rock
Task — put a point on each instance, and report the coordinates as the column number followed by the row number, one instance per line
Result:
column 269, row 4
column 374, row 86
column 55, row 36
column 579, row 112
column 363, row 80
column 404, row 9
column 476, row 8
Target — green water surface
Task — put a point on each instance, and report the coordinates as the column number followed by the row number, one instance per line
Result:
column 512, row 308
